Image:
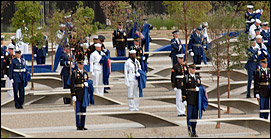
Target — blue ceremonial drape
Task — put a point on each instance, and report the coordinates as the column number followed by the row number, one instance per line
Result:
column 202, row 101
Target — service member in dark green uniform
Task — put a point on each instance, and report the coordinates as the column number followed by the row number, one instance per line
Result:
column 78, row 82
column 192, row 84
column 119, row 39
column 262, row 87
column 178, row 73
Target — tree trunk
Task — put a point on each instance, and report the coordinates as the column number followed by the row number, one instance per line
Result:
column 218, row 96
column 32, row 61
column 185, row 25
column 228, row 71
column 52, row 56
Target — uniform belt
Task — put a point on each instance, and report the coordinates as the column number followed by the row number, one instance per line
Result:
column 264, row 83
column 180, row 76
column 79, row 85
column 2, row 57
column 120, row 40
column 265, row 41
column 191, row 89
column 19, row 70
column 199, row 45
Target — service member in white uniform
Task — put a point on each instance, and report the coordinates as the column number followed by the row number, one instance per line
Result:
column 256, row 25
column 96, row 69
column 20, row 43
column 131, row 67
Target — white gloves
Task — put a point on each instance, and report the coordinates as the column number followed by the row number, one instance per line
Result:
column 204, row 47
column 143, row 58
column 35, row 55
column 74, row 98
column 115, row 48
column 5, row 76
column 92, row 73
column 47, row 54
column 265, row 53
column 259, row 52
column 192, row 53
column 69, row 62
column 72, row 65
column 105, row 50
column 137, row 74
column 127, row 84
column 86, row 84
column 126, row 48
column 12, row 81
column 102, row 54
column 175, row 89
column 197, row 88
column 180, row 47
column 257, row 96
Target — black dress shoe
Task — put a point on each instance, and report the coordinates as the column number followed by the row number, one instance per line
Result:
column 195, row 135
column 106, row 91
column 21, row 107
column 79, row 128
column 84, row 128
column 248, row 96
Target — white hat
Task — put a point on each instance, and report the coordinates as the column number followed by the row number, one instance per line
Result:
column 95, row 37
column 12, row 37
column 265, row 23
column 205, row 24
column 18, row 50
column 11, row 46
column 258, row 36
column 2, row 37
column 132, row 51
column 68, row 16
column 258, row 21
column 180, row 55
column 97, row 45
column 250, row 6
column 252, row 20
column 62, row 25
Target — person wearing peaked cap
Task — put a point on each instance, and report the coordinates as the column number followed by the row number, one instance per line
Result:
column 260, row 43
column 67, row 62
column 96, row 69
column 79, row 81
column 3, row 54
column 178, row 73
column 266, row 35
column 251, row 65
column 249, row 15
column 41, row 52
column 195, row 46
column 119, row 39
column 16, row 75
column 131, row 67
column 2, row 38
column 6, row 62
column 176, row 47
column 19, row 39
column 256, row 25
column 91, row 48
column 191, row 94
column 262, row 87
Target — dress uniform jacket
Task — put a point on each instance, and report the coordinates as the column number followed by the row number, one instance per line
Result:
column 77, row 84
column 178, row 73
column 16, row 68
column 195, row 44
column 261, row 83
column 119, row 39
column 6, row 63
column 90, row 50
column 191, row 94
column 3, row 54
column 139, row 52
column 252, row 34
column 130, row 70
column 266, row 39
column 95, row 58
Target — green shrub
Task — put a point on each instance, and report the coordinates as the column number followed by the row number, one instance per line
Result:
column 169, row 23
column 156, row 22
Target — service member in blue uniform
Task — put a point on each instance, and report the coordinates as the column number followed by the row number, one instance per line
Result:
column 266, row 35
column 17, row 69
column 192, row 83
column 3, row 54
column 195, row 46
column 78, row 82
column 251, row 65
column 66, row 63
column 176, row 47
column 41, row 53
column 119, row 39
column 248, row 16
column 178, row 73
column 262, row 87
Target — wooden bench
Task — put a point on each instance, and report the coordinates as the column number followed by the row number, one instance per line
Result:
column 148, row 120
